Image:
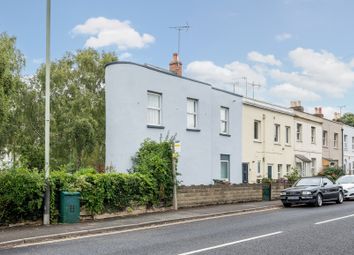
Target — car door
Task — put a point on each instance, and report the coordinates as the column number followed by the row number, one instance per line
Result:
column 331, row 189
column 324, row 189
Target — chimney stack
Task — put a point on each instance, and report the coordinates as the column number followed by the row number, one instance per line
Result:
column 296, row 105
column 176, row 65
column 336, row 116
column 318, row 112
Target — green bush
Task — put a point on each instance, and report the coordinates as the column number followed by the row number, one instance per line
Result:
column 100, row 193
column 149, row 184
column 293, row 176
column 332, row 172
column 155, row 160
column 21, row 195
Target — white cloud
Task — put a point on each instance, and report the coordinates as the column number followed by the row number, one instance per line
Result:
column 124, row 55
column 351, row 63
column 283, row 37
column 288, row 92
column 265, row 59
column 320, row 72
column 106, row 32
column 223, row 75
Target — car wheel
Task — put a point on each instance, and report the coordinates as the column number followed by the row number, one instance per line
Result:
column 319, row 200
column 286, row 204
column 340, row 198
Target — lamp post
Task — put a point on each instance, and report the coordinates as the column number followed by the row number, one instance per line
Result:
column 46, row 214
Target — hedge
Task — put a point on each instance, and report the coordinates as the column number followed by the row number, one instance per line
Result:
column 22, row 192
column 149, row 183
column 100, row 193
column 21, row 195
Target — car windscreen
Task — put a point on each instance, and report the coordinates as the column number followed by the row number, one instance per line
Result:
column 309, row 182
column 345, row 179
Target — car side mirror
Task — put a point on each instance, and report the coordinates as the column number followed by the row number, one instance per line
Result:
column 325, row 183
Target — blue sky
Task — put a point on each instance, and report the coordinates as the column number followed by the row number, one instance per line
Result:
column 296, row 49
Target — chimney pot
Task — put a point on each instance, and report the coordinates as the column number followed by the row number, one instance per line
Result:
column 296, row 105
column 318, row 112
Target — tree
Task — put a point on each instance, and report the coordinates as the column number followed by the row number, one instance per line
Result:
column 348, row 119
column 11, row 63
column 77, row 105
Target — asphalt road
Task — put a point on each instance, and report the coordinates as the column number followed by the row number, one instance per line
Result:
column 296, row 230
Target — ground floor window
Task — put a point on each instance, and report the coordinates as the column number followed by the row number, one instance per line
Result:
column 225, row 166
column 288, row 167
column 280, row 169
column 258, row 167
column 313, row 166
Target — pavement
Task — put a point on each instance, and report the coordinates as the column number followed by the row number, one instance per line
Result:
column 14, row 236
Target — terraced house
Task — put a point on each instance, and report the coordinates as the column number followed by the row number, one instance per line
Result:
column 308, row 141
column 332, row 142
column 348, row 149
column 267, row 140
column 223, row 135
column 143, row 101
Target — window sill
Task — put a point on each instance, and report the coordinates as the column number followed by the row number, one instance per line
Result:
column 257, row 141
column 155, row 126
column 276, row 143
column 288, row 145
column 325, row 147
column 193, row 129
column 224, row 134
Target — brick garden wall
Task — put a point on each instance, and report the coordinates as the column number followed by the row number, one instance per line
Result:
column 276, row 189
column 189, row 196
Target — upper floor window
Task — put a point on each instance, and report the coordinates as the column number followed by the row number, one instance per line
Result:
column 299, row 132
column 224, row 120
column 313, row 135
column 335, row 140
column 353, row 143
column 276, row 133
column 345, row 142
column 154, row 108
column 192, row 113
column 324, row 138
column 257, row 130
column 287, row 135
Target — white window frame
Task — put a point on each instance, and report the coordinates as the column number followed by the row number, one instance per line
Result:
column 287, row 135
column 313, row 165
column 257, row 123
column 298, row 132
column 227, row 161
column 335, row 140
column 152, row 108
column 258, row 167
column 224, row 122
column 313, row 135
column 280, row 170
column 325, row 138
column 276, row 133
column 193, row 113
column 288, row 168
column 345, row 140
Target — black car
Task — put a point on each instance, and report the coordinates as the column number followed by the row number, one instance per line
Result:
column 312, row 190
